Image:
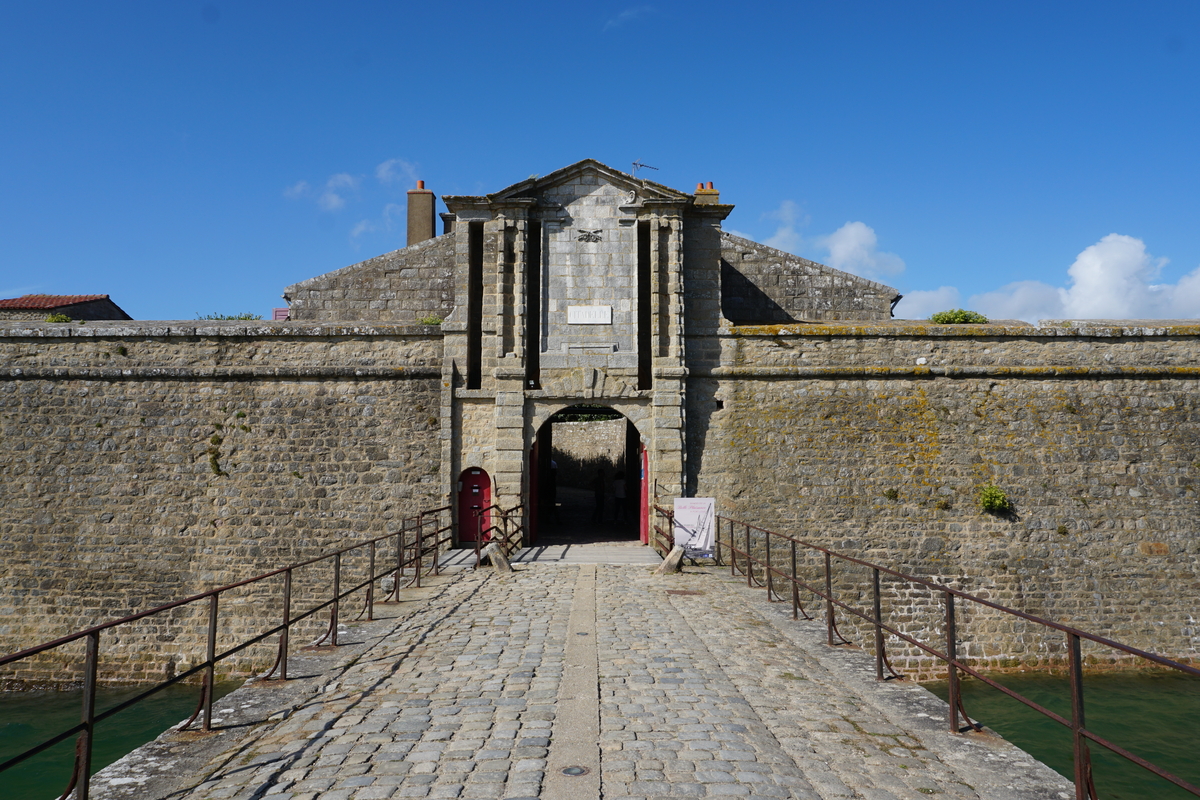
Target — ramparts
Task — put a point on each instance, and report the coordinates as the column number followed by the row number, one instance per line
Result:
column 143, row 462
column 876, row 439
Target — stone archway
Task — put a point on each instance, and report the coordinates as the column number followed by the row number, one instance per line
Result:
column 585, row 469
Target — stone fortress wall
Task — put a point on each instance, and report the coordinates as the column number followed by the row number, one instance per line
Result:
column 142, row 462
column 145, row 462
column 762, row 285
column 401, row 287
column 874, row 441
column 580, row 448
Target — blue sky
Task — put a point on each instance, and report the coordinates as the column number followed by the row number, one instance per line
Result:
column 1027, row 159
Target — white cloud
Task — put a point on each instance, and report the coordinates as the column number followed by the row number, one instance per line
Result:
column 1111, row 279
column 1027, row 300
column 396, row 170
column 786, row 237
column 628, row 15
column 333, row 197
column 920, row 304
column 297, row 190
column 855, row 248
column 394, row 212
column 365, row 226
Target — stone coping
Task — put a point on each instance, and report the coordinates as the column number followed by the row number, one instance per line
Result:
column 303, row 373
column 25, row 329
column 1080, row 328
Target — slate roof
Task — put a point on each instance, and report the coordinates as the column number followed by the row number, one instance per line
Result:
column 48, row 301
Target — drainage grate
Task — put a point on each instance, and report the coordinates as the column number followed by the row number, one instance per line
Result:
column 687, row 592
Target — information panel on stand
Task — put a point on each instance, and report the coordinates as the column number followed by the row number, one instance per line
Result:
column 695, row 525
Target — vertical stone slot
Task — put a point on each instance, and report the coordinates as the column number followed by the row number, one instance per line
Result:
column 474, row 304
column 533, row 306
column 662, row 270
column 508, row 291
column 645, row 310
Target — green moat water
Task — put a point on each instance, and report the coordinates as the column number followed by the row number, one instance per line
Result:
column 27, row 718
column 1153, row 715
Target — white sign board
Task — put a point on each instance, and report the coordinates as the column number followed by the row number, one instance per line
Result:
column 695, row 525
column 589, row 315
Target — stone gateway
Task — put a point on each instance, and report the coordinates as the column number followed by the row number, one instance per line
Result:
column 142, row 461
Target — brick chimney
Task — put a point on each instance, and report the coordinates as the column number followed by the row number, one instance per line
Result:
column 707, row 194
column 421, row 218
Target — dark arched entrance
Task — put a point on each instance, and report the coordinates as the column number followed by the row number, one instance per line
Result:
column 586, row 471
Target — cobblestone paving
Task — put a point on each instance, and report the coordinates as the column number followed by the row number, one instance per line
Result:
column 700, row 695
column 458, row 703
column 703, row 696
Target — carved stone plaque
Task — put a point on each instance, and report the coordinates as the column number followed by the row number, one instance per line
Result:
column 589, row 315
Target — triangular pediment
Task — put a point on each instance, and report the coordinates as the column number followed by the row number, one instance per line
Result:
column 534, row 187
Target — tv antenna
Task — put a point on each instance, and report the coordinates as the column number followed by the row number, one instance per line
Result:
column 639, row 165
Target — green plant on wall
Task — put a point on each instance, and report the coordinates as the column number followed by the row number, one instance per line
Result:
column 958, row 316
column 58, row 318
column 430, row 320
column 993, row 500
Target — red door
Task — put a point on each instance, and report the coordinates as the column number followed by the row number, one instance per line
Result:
column 644, row 506
column 474, row 494
column 535, row 494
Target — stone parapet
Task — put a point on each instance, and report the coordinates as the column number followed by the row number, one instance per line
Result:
column 876, row 439
column 140, row 466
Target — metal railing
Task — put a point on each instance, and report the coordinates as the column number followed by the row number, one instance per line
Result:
column 752, row 552
column 417, row 545
column 662, row 540
column 509, row 533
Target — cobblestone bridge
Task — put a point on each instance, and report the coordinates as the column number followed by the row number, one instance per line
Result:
column 491, row 686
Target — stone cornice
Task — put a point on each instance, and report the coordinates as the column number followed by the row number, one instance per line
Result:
column 16, row 329
column 916, row 328
column 1060, row 372
column 309, row 373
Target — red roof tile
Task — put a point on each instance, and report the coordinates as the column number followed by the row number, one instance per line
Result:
column 48, row 301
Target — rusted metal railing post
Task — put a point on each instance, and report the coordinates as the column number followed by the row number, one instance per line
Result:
column 210, row 663
column 87, row 737
column 749, row 560
column 395, row 595
column 770, row 585
column 337, row 591
column 420, row 546
column 877, row 608
column 437, row 524
column 828, row 601
column 717, row 541
column 285, row 634
column 371, row 583
column 732, row 551
column 951, row 667
column 795, row 585
column 1082, row 756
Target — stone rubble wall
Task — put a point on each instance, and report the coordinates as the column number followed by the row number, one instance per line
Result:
column 145, row 464
column 402, row 287
column 762, row 285
column 875, row 441
column 580, row 448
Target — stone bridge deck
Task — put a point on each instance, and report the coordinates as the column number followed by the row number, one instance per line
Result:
column 489, row 686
